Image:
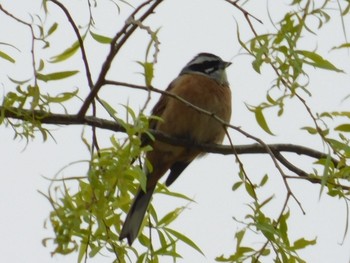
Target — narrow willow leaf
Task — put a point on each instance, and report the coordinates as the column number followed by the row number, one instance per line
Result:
column 261, row 120
column 326, row 173
column 164, row 190
column 82, row 251
column 310, row 130
column 7, row 57
column 62, row 97
column 302, row 243
column 56, row 75
column 250, row 190
column 239, row 236
column 345, row 45
column 343, row 128
column 264, row 180
column 148, row 72
column 19, row 82
column 101, row 39
column 266, row 201
column 66, row 53
column 318, row 61
column 346, row 9
column 256, row 65
column 52, row 29
column 41, row 65
column 283, row 228
column 171, row 216
column 185, row 239
column 111, row 111
column 236, row 185
column 243, row 45
column 340, row 146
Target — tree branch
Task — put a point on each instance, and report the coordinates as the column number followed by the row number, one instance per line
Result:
column 116, row 44
column 80, row 40
column 74, row 119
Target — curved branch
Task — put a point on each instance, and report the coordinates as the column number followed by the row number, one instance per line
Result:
column 116, row 44
column 80, row 40
column 32, row 49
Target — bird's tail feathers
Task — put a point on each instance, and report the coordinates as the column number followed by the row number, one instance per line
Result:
column 135, row 216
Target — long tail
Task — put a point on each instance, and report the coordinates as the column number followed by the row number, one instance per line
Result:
column 135, row 216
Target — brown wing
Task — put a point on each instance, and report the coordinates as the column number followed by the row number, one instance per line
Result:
column 157, row 110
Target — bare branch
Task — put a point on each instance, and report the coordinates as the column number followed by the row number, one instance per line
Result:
column 32, row 49
column 116, row 44
column 245, row 12
column 80, row 39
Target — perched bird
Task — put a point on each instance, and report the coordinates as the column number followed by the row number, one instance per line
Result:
column 203, row 83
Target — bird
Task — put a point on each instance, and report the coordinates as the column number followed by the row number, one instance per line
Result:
column 202, row 83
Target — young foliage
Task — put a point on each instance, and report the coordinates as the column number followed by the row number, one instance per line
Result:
column 88, row 210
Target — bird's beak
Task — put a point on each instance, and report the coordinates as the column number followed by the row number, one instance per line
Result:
column 227, row 64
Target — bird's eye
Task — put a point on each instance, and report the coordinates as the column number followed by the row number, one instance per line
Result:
column 206, row 67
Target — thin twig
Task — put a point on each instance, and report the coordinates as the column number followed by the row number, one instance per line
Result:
column 86, row 65
column 116, row 44
column 318, row 181
column 245, row 12
column 32, row 40
column 240, row 163
column 80, row 40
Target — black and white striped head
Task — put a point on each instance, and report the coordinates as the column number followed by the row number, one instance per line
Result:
column 208, row 65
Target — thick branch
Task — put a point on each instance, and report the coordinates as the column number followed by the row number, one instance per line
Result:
column 69, row 119
column 256, row 148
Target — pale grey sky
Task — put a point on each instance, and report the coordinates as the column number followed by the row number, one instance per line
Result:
column 204, row 25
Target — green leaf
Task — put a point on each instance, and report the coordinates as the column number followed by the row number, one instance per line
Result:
column 62, row 97
column 239, row 236
column 7, row 57
column 264, row 180
column 326, row 173
column 56, row 75
column 340, row 146
column 171, row 216
column 148, row 72
column 256, row 64
column 250, row 190
column 185, row 239
column 66, row 53
column 266, row 201
column 41, row 65
column 345, row 45
column 283, row 228
column 343, row 128
column 82, row 250
column 310, row 130
column 111, row 111
column 164, row 190
column 52, row 29
column 101, row 39
column 318, row 61
column 243, row 45
column 19, row 82
column 302, row 243
column 236, row 185
column 261, row 120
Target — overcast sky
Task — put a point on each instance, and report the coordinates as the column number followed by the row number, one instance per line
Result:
column 187, row 28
